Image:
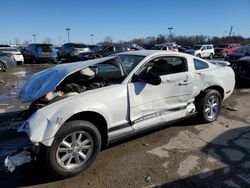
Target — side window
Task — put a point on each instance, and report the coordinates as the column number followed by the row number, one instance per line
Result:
column 63, row 47
column 209, row 47
column 199, row 65
column 203, row 48
column 166, row 65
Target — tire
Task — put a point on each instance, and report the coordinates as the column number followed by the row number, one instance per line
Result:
column 64, row 164
column 208, row 105
column 32, row 60
column 211, row 56
column 199, row 55
column 68, row 58
column 2, row 67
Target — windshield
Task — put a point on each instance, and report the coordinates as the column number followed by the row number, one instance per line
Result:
column 95, row 48
column 197, row 47
column 243, row 50
column 130, row 61
column 80, row 46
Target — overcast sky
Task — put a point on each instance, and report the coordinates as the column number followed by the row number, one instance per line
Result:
column 122, row 20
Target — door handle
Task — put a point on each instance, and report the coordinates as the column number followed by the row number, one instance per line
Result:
column 184, row 83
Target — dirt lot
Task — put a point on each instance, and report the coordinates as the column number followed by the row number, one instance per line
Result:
column 185, row 154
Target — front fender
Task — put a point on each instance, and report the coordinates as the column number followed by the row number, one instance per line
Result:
column 44, row 123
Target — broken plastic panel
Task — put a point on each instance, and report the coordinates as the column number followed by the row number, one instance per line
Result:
column 11, row 162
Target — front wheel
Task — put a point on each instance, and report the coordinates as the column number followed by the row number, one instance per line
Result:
column 74, row 149
column 211, row 56
column 208, row 105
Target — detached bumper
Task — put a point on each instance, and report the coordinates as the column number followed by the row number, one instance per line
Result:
column 11, row 162
column 22, row 156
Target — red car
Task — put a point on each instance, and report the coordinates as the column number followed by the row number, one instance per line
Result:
column 225, row 49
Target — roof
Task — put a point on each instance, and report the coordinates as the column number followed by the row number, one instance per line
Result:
column 147, row 52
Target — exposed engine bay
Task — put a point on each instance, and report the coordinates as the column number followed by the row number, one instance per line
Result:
column 89, row 78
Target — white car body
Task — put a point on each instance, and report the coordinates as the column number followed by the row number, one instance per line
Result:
column 203, row 51
column 15, row 52
column 127, row 107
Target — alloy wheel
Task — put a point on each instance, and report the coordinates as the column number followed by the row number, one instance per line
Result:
column 212, row 107
column 74, row 150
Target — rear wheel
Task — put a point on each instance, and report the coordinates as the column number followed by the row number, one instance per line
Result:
column 208, row 105
column 74, row 149
column 199, row 55
column 2, row 67
column 211, row 56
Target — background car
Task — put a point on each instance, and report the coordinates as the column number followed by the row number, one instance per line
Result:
column 106, row 50
column 15, row 52
column 6, row 61
column 40, row 53
column 202, row 51
column 224, row 49
column 237, row 54
column 112, row 48
column 241, row 68
column 71, row 51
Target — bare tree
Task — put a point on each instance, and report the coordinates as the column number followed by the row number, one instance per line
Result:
column 16, row 40
column 25, row 42
column 108, row 40
column 47, row 40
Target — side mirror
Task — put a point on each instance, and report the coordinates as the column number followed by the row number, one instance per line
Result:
column 148, row 78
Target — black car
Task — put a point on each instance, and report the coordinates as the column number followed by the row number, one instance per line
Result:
column 238, row 54
column 104, row 51
column 242, row 68
column 6, row 61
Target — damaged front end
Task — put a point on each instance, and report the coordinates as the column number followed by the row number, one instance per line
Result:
column 48, row 87
column 26, row 153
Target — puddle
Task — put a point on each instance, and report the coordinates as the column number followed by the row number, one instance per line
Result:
column 20, row 73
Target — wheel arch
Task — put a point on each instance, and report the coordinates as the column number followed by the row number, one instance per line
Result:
column 4, row 64
column 217, row 88
column 214, row 87
column 95, row 118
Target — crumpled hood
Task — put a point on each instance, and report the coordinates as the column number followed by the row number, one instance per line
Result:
column 47, row 80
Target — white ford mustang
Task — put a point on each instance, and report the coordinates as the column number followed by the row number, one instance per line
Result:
column 77, row 108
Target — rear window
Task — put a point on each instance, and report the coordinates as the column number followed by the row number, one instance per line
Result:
column 45, row 48
column 80, row 46
column 245, row 49
column 199, row 65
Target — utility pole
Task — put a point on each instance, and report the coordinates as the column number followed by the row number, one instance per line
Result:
column 231, row 30
column 34, row 36
column 68, row 29
column 92, row 38
column 170, row 29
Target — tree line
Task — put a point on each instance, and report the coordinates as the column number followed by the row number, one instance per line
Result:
column 190, row 40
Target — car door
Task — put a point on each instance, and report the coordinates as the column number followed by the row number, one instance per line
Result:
column 204, row 51
column 166, row 101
